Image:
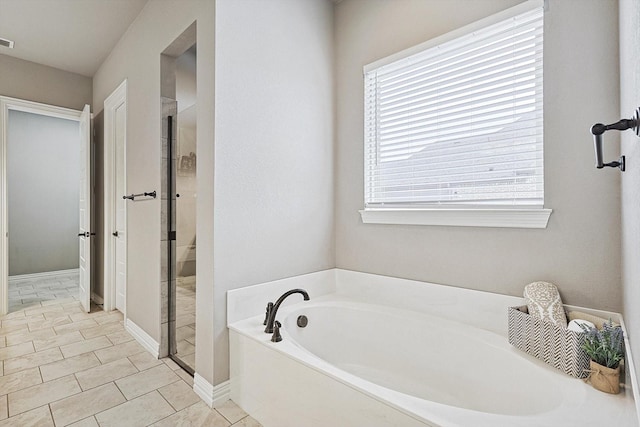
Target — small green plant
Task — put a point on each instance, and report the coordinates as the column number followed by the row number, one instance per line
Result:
column 605, row 346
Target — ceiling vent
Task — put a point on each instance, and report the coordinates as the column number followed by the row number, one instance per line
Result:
column 6, row 43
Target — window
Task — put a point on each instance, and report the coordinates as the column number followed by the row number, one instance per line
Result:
column 456, row 125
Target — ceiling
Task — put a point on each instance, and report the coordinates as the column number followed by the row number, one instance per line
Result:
column 72, row 35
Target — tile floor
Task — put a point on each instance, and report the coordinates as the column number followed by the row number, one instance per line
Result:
column 60, row 366
column 186, row 320
column 23, row 293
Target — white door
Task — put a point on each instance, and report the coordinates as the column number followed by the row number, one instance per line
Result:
column 84, row 293
column 120, row 214
column 115, row 207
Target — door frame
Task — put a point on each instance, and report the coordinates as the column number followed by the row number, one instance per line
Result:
column 111, row 104
column 7, row 104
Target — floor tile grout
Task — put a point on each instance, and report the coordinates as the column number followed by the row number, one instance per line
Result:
column 58, row 315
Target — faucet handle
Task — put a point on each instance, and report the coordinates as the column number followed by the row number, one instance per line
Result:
column 267, row 312
column 276, row 337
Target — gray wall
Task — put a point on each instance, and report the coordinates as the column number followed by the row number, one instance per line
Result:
column 629, row 101
column 43, row 180
column 580, row 248
column 273, row 213
column 34, row 82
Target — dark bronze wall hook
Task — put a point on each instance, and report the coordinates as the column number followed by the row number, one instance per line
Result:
column 598, row 129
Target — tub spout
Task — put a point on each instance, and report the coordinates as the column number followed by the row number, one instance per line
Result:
column 272, row 313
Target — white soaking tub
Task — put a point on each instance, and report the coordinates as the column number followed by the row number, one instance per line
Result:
column 361, row 363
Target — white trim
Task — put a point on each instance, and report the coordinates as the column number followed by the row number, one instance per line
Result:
column 459, row 32
column 43, row 275
column 6, row 104
column 631, row 379
column 221, row 393
column 117, row 98
column 143, row 338
column 211, row 395
column 97, row 298
column 203, row 388
column 508, row 218
column 41, row 109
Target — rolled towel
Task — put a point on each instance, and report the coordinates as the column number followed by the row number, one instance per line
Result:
column 574, row 325
column 597, row 321
column 544, row 302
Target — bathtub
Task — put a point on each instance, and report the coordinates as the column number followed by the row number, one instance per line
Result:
column 369, row 357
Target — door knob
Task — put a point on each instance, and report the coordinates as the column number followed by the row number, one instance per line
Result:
column 86, row 234
column 115, row 233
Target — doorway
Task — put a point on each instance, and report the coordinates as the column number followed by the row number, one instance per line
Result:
column 45, row 205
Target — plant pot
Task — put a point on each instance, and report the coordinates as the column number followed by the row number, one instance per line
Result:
column 604, row 379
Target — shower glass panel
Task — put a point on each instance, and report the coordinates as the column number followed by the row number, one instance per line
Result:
column 181, row 209
column 185, row 215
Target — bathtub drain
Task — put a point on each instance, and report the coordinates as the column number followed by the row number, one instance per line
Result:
column 302, row 321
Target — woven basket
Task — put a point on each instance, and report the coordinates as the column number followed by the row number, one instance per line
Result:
column 554, row 345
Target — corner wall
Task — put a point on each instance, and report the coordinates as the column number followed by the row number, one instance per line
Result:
column 630, row 147
column 274, row 148
column 579, row 250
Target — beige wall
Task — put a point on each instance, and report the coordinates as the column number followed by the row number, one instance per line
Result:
column 136, row 57
column 274, row 157
column 580, row 248
column 629, row 102
column 34, row 82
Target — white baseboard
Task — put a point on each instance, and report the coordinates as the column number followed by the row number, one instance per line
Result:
column 203, row 388
column 211, row 395
column 221, row 393
column 43, row 274
column 97, row 298
column 143, row 338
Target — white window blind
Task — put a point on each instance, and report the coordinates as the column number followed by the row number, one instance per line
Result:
column 459, row 124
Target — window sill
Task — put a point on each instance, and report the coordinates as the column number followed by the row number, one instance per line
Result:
column 507, row 218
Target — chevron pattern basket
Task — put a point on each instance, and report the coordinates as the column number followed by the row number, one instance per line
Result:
column 554, row 345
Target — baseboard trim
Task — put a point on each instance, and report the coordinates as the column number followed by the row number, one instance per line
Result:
column 211, row 395
column 221, row 393
column 203, row 388
column 143, row 338
column 43, row 274
column 97, row 298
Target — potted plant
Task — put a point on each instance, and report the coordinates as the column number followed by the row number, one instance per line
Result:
column 605, row 347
